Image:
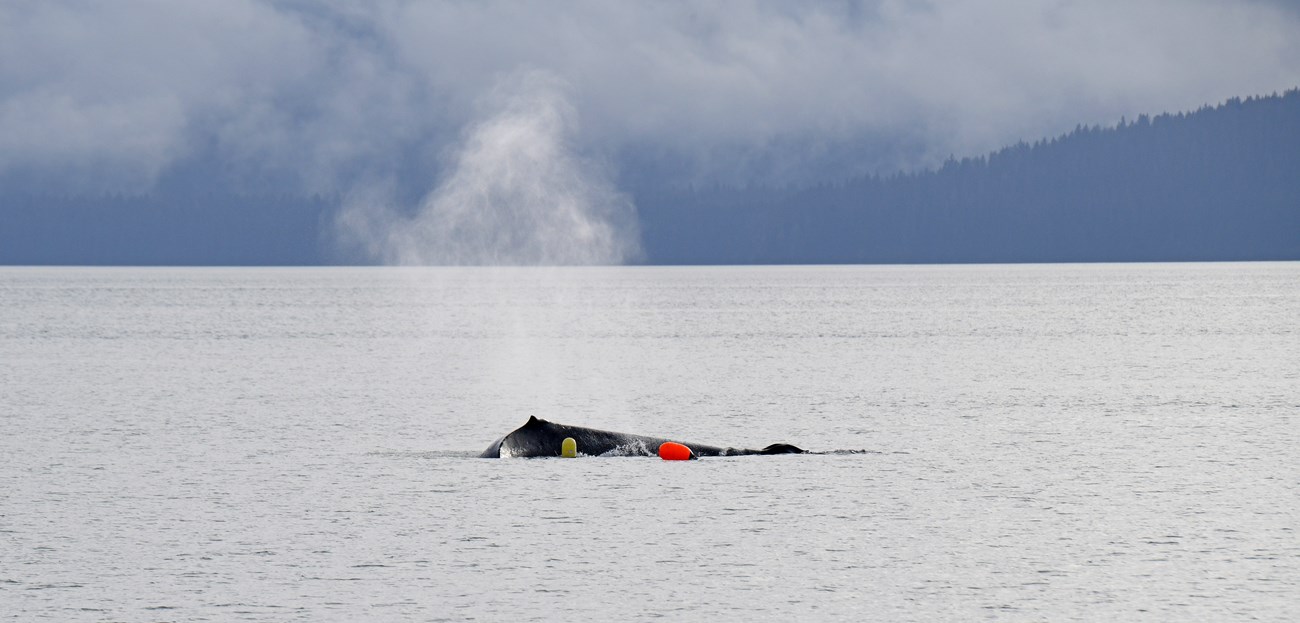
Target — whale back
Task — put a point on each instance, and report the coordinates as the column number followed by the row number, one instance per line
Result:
column 541, row 438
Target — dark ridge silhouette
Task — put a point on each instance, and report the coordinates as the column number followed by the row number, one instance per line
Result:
column 1220, row 183
column 177, row 229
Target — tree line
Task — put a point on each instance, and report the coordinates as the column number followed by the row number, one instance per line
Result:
column 1218, row 183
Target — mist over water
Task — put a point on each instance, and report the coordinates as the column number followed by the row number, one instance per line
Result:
column 518, row 197
column 518, row 194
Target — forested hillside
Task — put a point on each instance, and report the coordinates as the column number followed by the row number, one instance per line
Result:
column 1220, row 183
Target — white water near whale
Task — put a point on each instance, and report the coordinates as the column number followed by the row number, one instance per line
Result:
column 1085, row 442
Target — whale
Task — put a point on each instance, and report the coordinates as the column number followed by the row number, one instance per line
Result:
column 540, row 438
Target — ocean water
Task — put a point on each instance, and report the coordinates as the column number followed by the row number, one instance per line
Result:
column 1055, row 442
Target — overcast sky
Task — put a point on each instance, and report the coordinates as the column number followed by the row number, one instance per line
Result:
column 107, row 95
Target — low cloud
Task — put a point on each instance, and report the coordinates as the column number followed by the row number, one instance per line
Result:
column 320, row 96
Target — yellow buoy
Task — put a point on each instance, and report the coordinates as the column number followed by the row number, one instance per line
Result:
column 569, row 448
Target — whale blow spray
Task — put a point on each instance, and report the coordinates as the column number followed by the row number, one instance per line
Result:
column 515, row 191
column 516, row 194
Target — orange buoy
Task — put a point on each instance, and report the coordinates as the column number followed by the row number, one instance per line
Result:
column 673, row 451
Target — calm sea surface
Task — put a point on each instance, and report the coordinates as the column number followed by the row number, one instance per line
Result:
column 1079, row 442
